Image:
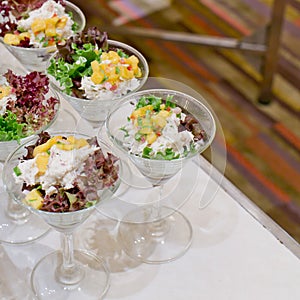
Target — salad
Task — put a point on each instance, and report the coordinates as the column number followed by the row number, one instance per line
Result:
column 25, row 107
column 64, row 173
column 88, row 67
column 159, row 129
column 35, row 24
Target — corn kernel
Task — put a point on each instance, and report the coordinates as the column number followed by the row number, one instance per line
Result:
column 164, row 113
column 158, row 121
column 151, row 138
column 71, row 139
column 137, row 72
column 113, row 77
column 95, row 66
column 38, row 25
column 97, row 77
column 4, row 91
column 113, row 57
column 140, row 112
column 46, row 146
column 34, row 199
column 62, row 22
column 24, row 35
column 125, row 73
column 133, row 61
column 65, row 147
column 104, row 56
column 42, row 162
column 11, row 39
column 79, row 143
column 146, row 130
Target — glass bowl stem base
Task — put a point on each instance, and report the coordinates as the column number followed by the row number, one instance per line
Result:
column 87, row 279
column 155, row 242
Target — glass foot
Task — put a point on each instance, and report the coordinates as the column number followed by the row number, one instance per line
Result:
column 21, row 226
column 93, row 282
column 155, row 242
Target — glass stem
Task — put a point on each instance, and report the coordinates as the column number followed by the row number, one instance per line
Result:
column 68, row 250
column 68, row 272
column 157, row 204
column 16, row 211
column 160, row 226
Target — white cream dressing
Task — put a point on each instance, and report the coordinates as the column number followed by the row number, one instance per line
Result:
column 63, row 168
column 103, row 92
column 29, row 170
column 170, row 138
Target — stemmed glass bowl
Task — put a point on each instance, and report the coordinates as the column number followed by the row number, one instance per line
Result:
column 67, row 272
column 156, row 233
column 35, row 59
column 96, row 108
column 18, row 225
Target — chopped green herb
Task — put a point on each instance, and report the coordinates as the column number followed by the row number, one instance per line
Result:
column 138, row 136
column 169, row 103
column 168, row 155
column 146, row 152
column 125, row 130
column 150, row 100
column 90, row 203
column 121, row 53
column 46, row 44
column 17, row 171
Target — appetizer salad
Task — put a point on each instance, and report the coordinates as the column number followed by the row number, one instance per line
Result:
column 159, row 129
column 37, row 24
column 65, row 173
column 25, row 107
column 87, row 67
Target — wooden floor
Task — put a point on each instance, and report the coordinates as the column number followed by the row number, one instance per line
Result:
column 262, row 142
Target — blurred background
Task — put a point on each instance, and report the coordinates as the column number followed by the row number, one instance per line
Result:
column 262, row 140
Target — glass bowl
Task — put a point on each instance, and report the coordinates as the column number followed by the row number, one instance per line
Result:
column 60, row 220
column 96, row 110
column 158, row 170
column 6, row 147
column 35, row 59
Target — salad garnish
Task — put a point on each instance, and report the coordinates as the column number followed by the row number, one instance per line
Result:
column 159, row 129
column 65, row 173
column 25, row 107
column 87, row 67
column 35, row 24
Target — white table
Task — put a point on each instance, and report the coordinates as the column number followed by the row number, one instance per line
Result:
column 237, row 251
